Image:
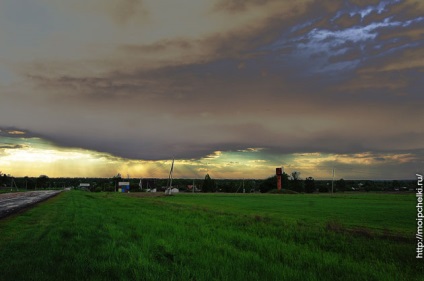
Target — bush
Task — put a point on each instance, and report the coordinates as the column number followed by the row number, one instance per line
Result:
column 309, row 185
column 323, row 188
column 283, row 191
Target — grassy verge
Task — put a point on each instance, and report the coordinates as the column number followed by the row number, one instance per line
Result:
column 107, row 236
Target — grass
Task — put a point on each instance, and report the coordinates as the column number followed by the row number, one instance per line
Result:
column 379, row 212
column 109, row 236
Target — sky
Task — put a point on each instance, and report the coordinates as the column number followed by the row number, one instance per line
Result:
column 227, row 87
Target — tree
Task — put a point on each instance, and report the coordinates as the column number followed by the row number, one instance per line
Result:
column 395, row 184
column 285, row 183
column 369, row 185
column 251, row 186
column 268, row 184
column 208, row 184
column 341, row 185
column 296, row 182
column 295, row 175
column 309, row 185
column 26, row 178
column 322, row 186
column 271, row 183
column 2, row 179
column 42, row 181
column 116, row 179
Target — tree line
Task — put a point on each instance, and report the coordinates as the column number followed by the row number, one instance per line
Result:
column 292, row 182
column 295, row 183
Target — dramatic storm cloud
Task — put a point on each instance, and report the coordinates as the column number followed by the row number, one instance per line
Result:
column 254, row 84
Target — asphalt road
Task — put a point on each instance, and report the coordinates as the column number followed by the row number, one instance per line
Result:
column 13, row 202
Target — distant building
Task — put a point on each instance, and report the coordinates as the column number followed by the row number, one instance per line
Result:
column 84, row 186
column 124, row 186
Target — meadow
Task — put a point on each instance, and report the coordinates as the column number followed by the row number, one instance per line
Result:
column 112, row 236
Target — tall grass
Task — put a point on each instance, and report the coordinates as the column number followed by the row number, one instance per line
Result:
column 107, row 236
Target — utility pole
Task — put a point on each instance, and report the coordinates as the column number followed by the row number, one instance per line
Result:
column 13, row 184
column 332, row 183
column 168, row 190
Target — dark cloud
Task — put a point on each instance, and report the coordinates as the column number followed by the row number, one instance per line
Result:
column 347, row 20
column 317, row 45
column 12, row 146
column 363, row 171
column 237, row 6
column 157, row 47
column 364, row 3
column 334, row 77
column 14, row 132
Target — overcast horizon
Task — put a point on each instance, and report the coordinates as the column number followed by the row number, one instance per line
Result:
column 230, row 88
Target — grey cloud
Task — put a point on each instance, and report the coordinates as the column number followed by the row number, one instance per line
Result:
column 15, row 132
column 323, row 44
column 150, row 141
column 375, row 171
column 188, row 109
column 347, row 20
column 125, row 10
column 351, row 54
column 234, row 6
column 157, row 47
column 256, row 134
column 380, row 159
column 11, row 146
column 100, row 89
column 120, row 11
column 364, row 3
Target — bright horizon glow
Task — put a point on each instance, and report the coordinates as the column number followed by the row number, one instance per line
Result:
column 34, row 157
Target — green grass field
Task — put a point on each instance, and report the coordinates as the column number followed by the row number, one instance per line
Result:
column 109, row 236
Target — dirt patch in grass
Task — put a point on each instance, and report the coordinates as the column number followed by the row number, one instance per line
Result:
column 336, row 226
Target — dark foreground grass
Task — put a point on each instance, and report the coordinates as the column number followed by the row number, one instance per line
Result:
column 107, row 236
